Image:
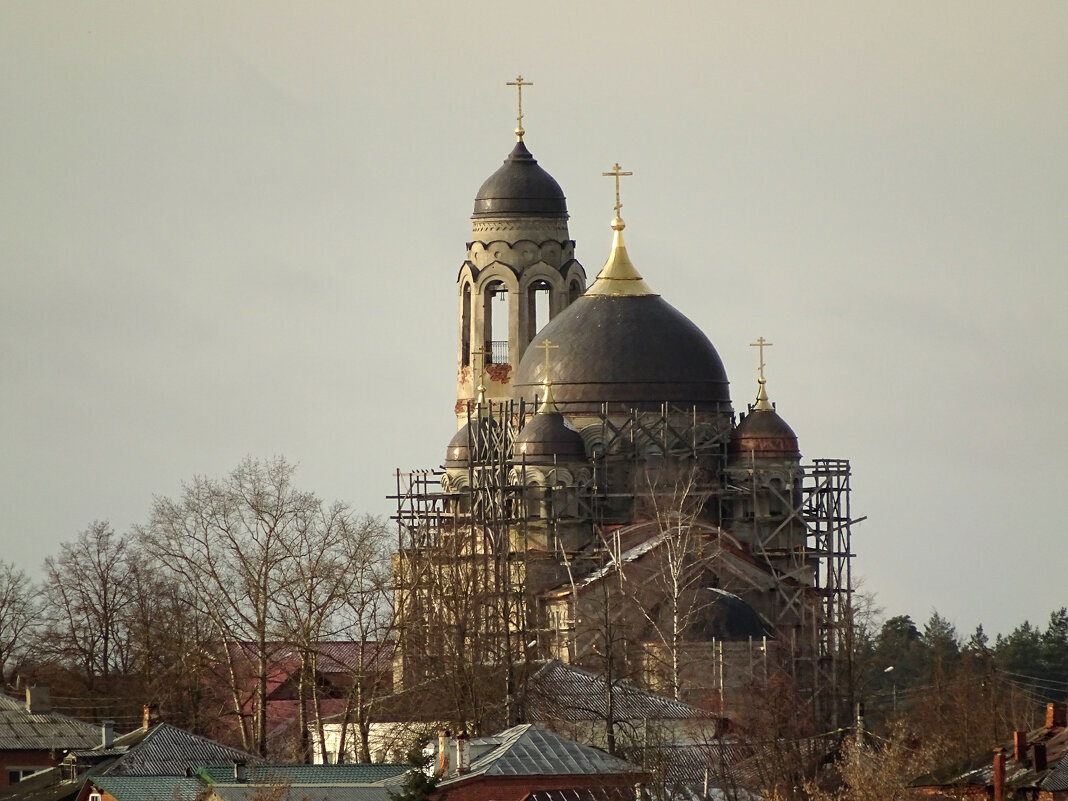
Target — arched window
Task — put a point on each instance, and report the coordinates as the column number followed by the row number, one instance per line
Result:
column 537, row 307
column 465, row 327
column 495, row 323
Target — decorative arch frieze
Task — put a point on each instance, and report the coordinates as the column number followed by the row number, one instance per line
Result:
column 593, row 438
column 559, row 476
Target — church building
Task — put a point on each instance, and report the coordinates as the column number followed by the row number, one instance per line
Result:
column 601, row 502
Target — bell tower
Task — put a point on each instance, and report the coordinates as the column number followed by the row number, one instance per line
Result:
column 520, row 271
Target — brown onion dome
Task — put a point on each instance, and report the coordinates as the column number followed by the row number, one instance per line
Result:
column 548, row 437
column 762, row 433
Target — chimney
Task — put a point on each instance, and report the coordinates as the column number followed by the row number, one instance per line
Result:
column 1019, row 746
column 38, row 700
column 150, row 717
column 107, row 734
column 240, row 771
column 463, row 762
column 1055, row 715
column 999, row 774
column 444, row 746
column 1040, row 757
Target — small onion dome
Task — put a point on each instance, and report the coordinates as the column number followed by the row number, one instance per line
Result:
column 458, row 453
column 725, row 616
column 520, row 188
column 763, row 433
column 622, row 343
column 548, row 436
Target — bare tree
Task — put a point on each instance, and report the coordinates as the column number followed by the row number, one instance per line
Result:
column 368, row 617
column 230, row 543
column 671, row 591
column 332, row 586
column 268, row 564
column 448, row 625
column 89, row 589
column 173, row 638
column 19, row 612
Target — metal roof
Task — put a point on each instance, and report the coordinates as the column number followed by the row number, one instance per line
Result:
column 520, row 187
column 636, row 350
column 1057, row 781
column 322, row 775
column 168, row 751
column 19, row 730
column 303, row 792
column 530, row 750
column 564, row 692
column 148, row 788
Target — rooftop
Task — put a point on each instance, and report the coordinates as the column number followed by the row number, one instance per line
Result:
column 21, row 730
column 530, row 750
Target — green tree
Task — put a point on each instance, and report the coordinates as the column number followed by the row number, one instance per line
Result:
column 418, row 783
column 942, row 648
column 1054, row 646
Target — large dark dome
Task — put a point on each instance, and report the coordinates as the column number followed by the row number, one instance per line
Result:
column 520, row 188
column 631, row 349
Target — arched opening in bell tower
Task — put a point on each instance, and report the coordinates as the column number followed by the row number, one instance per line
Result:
column 538, row 308
column 495, row 323
column 465, row 327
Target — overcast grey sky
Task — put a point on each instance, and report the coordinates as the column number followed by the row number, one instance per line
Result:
column 234, row 228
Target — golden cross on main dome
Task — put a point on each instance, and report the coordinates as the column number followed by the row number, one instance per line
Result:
column 519, row 83
column 617, row 173
column 761, row 343
column 546, row 346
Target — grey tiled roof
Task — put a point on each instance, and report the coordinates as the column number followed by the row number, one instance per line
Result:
column 148, row 788
column 1057, row 781
column 304, row 792
column 564, row 692
column 530, row 750
column 168, row 751
column 19, row 730
column 359, row 773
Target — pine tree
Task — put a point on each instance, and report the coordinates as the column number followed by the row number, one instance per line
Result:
column 418, row 784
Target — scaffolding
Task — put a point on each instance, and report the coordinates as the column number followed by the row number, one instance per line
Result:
column 480, row 516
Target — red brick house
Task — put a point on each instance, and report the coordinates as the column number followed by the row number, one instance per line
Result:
column 524, row 760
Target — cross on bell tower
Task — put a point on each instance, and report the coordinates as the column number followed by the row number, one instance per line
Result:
column 519, row 83
column 520, row 269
